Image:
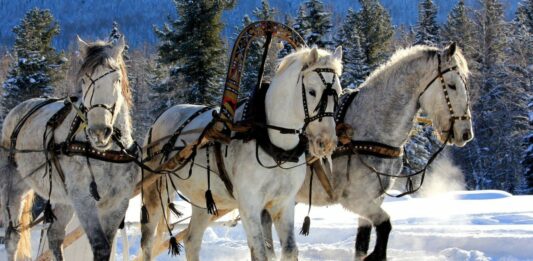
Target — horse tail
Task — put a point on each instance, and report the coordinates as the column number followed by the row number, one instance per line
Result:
column 26, row 217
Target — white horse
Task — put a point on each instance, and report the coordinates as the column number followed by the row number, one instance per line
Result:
column 305, row 80
column 383, row 112
column 73, row 182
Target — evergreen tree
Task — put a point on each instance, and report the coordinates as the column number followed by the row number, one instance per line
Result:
column 192, row 45
column 375, row 32
column 38, row 65
column 498, row 99
column 264, row 12
column 522, row 62
column 314, row 24
column 114, row 36
column 427, row 29
column 459, row 28
column 356, row 68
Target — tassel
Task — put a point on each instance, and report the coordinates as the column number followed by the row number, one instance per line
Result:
column 173, row 208
column 122, row 224
column 174, row 248
column 210, row 203
column 144, row 215
column 10, row 230
column 49, row 216
column 94, row 191
column 306, row 226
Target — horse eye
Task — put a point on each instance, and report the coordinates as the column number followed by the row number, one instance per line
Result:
column 452, row 86
column 312, row 93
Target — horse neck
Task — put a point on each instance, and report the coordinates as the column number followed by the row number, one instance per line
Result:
column 281, row 104
column 385, row 108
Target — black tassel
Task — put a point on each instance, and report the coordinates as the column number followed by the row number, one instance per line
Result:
column 10, row 230
column 122, row 224
column 174, row 248
column 210, row 203
column 94, row 191
column 306, row 226
column 145, row 218
column 173, row 208
column 49, row 216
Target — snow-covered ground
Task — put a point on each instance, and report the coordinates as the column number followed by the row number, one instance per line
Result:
column 479, row 225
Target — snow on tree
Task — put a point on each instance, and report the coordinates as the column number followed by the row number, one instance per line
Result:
column 427, row 31
column 522, row 59
column 356, row 68
column 37, row 65
column 314, row 24
column 115, row 35
column 375, row 32
column 192, row 45
column 459, row 29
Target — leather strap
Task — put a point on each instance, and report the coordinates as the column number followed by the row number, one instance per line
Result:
column 222, row 168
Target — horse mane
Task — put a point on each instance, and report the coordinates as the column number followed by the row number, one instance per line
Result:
column 324, row 60
column 403, row 59
column 98, row 55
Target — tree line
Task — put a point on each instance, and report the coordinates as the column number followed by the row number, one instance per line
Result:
column 188, row 65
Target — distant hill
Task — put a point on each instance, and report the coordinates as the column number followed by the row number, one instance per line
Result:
column 92, row 19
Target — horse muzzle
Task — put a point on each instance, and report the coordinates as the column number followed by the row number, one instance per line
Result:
column 100, row 136
column 322, row 146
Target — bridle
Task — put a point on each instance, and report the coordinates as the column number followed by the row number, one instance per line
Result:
column 91, row 86
column 440, row 77
column 323, row 102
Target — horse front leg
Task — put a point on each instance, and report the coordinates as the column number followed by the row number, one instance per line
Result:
column 56, row 231
column 200, row 220
column 250, row 212
column 362, row 240
column 283, row 217
column 111, row 219
column 372, row 210
column 266, row 223
column 87, row 213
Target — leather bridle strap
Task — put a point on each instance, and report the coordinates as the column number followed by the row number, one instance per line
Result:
column 323, row 103
column 92, row 87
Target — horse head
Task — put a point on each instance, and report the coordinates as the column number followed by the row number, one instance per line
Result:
column 313, row 75
column 104, row 89
column 446, row 98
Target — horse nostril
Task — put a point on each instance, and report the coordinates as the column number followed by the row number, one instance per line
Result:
column 466, row 136
column 107, row 132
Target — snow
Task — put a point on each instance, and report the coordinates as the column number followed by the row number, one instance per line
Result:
column 455, row 226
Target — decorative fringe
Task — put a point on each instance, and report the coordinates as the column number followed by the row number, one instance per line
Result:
column 174, row 248
column 145, row 218
column 10, row 230
column 210, row 203
column 94, row 191
column 306, row 226
column 49, row 216
column 122, row 224
column 173, row 208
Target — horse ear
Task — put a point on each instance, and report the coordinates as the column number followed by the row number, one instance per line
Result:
column 82, row 45
column 313, row 56
column 338, row 53
column 449, row 51
column 119, row 46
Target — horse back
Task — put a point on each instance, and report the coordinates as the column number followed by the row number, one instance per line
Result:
column 34, row 123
